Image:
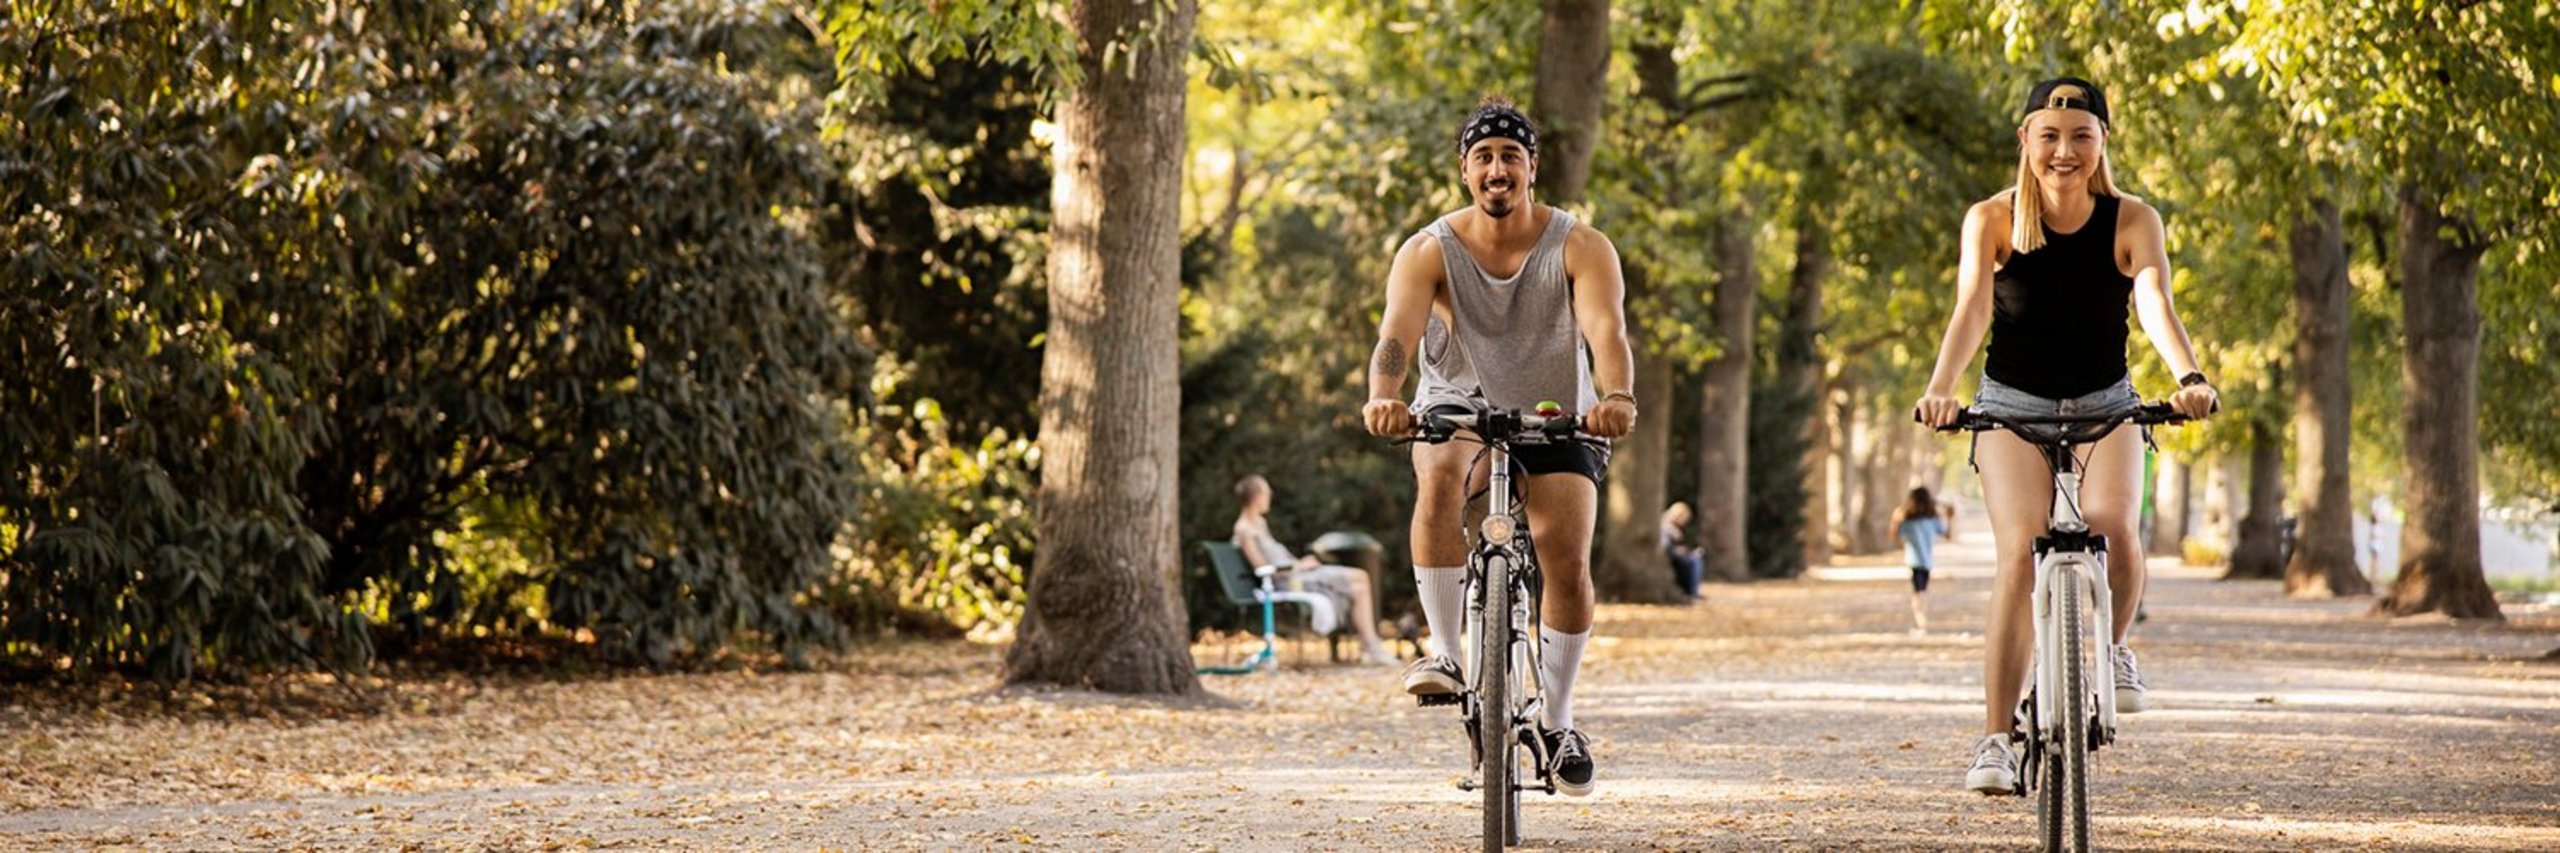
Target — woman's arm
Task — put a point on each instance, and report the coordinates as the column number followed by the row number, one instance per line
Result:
column 2147, row 261
column 1986, row 229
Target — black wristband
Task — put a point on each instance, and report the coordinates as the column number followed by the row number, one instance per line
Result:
column 1619, row 395
column 2194, row 377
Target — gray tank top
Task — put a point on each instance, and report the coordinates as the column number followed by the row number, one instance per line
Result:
column 1515, row 342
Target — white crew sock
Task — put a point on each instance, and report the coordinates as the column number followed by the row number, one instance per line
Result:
column 1444, row 605
column 1560, row 663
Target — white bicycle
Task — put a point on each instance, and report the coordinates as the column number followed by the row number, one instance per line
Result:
column 2070, row 707
column 1504, row 699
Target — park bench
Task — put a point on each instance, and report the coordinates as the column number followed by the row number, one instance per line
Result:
column 1250, row 587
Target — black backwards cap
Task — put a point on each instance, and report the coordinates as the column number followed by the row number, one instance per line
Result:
column 1497, row 119
column 2067, row 93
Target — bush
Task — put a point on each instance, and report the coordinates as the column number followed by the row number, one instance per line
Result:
column 317, row 328
column 942, row 544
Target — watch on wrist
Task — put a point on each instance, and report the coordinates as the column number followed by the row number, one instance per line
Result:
column 2193, row 377
column 1618, row 395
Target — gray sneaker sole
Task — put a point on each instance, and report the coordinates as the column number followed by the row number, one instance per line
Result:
column 1431, row 684
column 1991, row 780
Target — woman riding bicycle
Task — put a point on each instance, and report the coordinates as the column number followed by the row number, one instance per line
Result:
column 2047, row 270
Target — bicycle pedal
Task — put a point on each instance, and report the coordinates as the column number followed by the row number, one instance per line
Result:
column 1433, row 700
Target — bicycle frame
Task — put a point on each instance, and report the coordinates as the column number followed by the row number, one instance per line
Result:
column 1515, row 553
column 2071, row 561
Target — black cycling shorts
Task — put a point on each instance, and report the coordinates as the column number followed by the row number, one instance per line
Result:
column 1919, row 579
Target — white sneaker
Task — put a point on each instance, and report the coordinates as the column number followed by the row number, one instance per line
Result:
column 2129, row 686
column 1995, row 767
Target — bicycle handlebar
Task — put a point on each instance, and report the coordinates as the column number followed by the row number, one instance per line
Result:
column 1495, row 426
column 2145, row 414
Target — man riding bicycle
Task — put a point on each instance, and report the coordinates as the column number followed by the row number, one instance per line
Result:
column 1508, row 303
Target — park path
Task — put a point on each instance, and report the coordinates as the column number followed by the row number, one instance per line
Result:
column 1774, row 716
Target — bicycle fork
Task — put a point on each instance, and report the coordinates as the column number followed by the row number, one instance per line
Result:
column 1502, row 548
column 2078, row 570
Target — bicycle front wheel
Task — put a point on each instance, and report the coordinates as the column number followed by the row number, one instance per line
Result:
column 2063, row 810
column 1495, row 742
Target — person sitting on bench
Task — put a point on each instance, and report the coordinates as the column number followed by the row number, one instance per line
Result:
column 1347, row 587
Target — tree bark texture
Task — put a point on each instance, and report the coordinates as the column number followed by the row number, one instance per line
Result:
column 2169, row 492
column 1800, row 372
column 1724, row 402
column 2324, row 546
column 2440, row 383
column 1632, row 567
column 1827, row 496
column 1104, row 611
column 1573, row 69
column 2223, row 502
column 1881, row 483
column 2258, row 553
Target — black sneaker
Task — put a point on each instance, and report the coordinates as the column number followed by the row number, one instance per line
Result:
column 1433, row 675
column 1569, row 759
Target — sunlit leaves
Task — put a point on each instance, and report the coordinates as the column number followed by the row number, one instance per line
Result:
column 373, row 287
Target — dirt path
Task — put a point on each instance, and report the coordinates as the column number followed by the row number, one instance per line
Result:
column 1776, row 716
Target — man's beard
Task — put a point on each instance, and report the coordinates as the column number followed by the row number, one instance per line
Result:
column 1501, row 207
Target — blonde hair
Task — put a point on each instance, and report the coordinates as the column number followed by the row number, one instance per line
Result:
column 2026, row 205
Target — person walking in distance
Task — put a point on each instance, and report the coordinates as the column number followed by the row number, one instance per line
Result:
column 1506, row 303
column 1919, row 526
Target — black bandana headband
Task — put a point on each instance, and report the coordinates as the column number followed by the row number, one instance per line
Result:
column 1493, row 121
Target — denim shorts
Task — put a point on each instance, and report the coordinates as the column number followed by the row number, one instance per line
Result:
column 2007, row 402
column 2004, row 401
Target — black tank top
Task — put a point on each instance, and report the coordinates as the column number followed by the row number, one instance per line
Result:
column 2058, row 313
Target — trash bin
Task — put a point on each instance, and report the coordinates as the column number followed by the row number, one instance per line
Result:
column 1351, row 548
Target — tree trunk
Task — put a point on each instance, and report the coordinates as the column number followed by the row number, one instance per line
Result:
column 2169, row 492
column 1573, row 69
column 2259, row 552
column 2324, row 546
column 1830, row 503
column 2439, row 380
column 1799, row 363
column 1632, row 567
column 1104, row 613
column 1882, row 439
column 1724, row 402
column 2222, row 502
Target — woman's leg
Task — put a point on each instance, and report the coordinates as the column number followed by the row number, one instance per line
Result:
column 2017, row 494
column 2111, row 501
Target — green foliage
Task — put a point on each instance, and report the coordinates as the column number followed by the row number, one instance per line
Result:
column 2519, row 365
column 305, row 306
column 879, row 41
column 940, row 240
column 944, row 537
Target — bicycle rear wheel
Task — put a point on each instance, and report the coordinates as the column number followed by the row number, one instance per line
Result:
column 1495, row 740
column 2062, row 811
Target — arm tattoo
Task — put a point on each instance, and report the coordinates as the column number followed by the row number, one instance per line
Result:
column 1389, row 362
